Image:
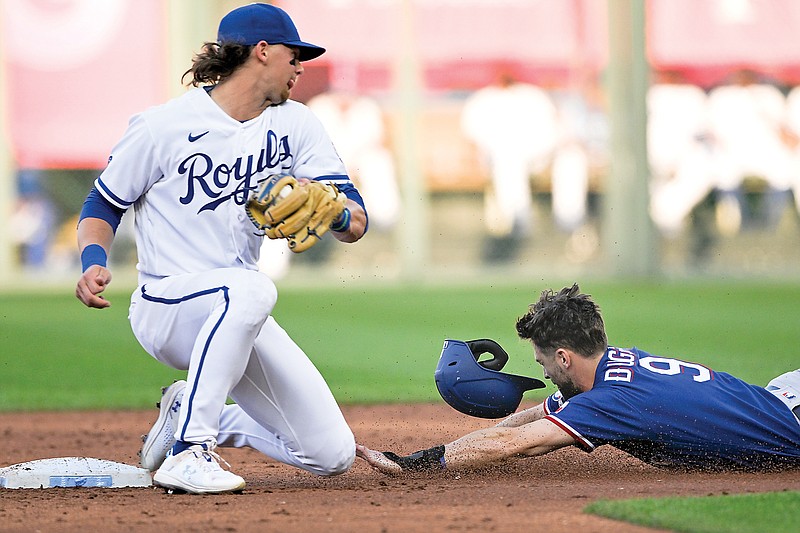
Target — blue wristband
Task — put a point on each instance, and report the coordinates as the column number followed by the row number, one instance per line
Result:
column 93, row 254
column 343, row 222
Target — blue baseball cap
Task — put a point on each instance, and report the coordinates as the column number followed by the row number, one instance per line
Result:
column 253, row 23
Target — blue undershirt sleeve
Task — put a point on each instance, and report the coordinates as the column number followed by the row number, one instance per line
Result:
column 96, row 206
column 352, row 193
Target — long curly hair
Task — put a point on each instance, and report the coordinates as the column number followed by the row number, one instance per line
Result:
column 216, row 62
column 567, row 319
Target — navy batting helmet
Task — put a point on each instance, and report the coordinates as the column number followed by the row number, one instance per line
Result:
column 478, row 388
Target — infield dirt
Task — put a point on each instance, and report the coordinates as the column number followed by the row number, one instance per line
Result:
column 536, row 494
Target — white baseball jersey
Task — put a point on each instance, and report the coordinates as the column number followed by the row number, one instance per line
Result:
column 188, row 168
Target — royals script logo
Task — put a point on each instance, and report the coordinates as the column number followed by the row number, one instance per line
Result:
column 213, row 181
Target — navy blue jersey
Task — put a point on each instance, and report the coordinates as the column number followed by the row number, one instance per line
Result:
column 675, row 413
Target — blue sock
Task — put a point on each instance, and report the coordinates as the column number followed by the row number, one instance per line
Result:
column 180, row 446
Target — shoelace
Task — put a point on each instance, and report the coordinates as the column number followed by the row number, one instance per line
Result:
column 212, row 456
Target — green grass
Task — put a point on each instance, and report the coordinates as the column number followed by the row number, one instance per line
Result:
column 737, row 513
column 381, row 344
column 57, row 354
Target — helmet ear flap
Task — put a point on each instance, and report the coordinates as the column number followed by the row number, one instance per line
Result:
column 479, row 347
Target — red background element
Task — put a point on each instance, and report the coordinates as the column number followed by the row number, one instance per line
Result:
column 70, row 116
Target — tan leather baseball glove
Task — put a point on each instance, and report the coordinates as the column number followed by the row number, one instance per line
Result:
column 299, row 213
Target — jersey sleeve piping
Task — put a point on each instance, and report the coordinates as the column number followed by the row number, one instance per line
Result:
column 547, row 410
column 569, row 430
column 110, row 196
column 334, row 178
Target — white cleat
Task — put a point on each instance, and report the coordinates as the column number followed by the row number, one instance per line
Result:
column 197, row 470
column 161, row 438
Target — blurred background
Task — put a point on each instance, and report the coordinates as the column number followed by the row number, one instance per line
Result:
column 501, row 138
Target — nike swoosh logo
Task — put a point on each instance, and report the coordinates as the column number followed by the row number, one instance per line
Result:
column 193, row 138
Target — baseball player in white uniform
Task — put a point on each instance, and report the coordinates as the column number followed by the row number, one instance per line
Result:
column 747, row 119
column 188, row 167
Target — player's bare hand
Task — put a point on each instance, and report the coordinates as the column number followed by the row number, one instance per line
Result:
column 91, row 283
column 377, row 460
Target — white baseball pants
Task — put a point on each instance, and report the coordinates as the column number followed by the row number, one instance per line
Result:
column 217, row 325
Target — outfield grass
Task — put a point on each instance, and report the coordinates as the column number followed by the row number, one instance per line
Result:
column 735, row 513
column 381, row 344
